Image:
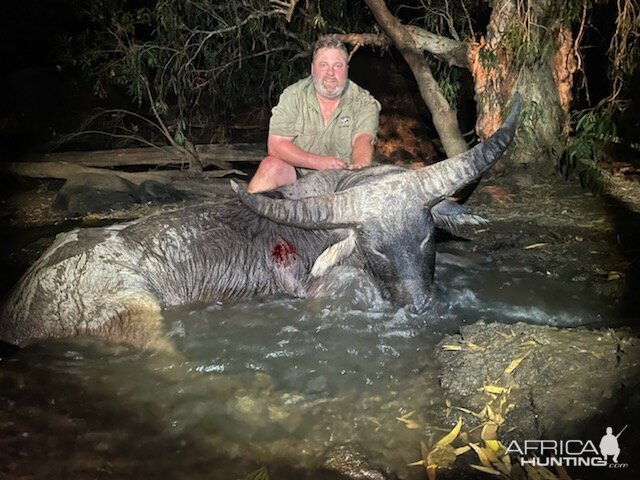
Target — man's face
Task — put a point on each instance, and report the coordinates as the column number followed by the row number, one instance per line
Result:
column 329, row 70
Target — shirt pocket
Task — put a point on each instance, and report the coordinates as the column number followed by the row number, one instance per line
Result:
column 308, row 138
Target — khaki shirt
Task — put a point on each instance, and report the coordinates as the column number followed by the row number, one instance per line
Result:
column 298, row 116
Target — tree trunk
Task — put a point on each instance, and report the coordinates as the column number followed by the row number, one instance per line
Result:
column 525, row 49
column 444, row 117
column 544, row 80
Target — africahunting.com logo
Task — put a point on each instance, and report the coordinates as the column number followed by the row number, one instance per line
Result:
column 570, row 453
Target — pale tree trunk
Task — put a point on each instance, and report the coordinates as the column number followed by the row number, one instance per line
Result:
column 444, row 117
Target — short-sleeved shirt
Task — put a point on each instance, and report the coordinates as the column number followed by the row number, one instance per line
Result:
column 297, row 115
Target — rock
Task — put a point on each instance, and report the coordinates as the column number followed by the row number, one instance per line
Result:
column 97, row 193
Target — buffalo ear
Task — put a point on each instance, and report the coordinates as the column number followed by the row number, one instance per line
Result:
column 334, row 255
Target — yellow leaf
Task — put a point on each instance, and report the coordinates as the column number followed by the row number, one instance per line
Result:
column 489, row 470
column 469, row 412
column 494, row 445
column 441, row 456
column 424, row 451
column 484, row 460
column 514, row 364
column 502, row 334
column 535, row 245
column 614, row 276
column 409, row 423
column 489, row 432
column 462, row 450
column 494, row 389
column 489, row 412
column 419, row 463
column 451, row 436
column 473, row 346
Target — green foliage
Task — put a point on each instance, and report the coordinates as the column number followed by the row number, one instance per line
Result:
column 591, row 127
column 198, row 63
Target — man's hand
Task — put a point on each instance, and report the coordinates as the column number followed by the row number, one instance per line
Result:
column 331, row 163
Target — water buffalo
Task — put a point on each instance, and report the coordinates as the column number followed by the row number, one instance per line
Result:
column 113, row 281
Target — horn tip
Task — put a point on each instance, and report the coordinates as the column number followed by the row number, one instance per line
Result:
column 234, row 186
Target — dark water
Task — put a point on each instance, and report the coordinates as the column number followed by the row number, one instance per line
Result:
column 276, row 382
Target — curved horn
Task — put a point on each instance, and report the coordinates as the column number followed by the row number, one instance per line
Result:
column 345, row 208
column 324, row 211
column 448, row 176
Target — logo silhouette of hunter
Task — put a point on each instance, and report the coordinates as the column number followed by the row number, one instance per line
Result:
column 609, row 444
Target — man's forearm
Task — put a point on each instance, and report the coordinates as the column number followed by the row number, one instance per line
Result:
column 362, row 150
column 284, row 149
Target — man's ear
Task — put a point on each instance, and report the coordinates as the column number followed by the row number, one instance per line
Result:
column 334, row 255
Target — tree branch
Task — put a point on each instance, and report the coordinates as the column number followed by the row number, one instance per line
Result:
column 451, row 51
column 444, row 118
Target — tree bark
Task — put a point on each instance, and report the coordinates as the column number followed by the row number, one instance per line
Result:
column 444, row 117
column 541, row 82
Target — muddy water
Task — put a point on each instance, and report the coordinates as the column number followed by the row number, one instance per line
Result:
column 287, row 383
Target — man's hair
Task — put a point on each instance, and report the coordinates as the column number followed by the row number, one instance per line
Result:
column 329, row 41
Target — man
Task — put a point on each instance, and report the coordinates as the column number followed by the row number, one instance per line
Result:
column 324, row 121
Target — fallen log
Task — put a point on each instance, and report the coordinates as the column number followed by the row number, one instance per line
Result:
column 65, row 170
column 219, row 155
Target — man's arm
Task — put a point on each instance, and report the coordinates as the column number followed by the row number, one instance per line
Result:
column 284, row 149
column 362, row 150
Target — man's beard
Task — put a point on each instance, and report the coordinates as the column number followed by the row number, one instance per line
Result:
column 329, row 92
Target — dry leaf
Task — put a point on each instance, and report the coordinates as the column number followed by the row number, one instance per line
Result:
column 408, row 422
column 469, row 412
column 489, row 470
column 489, row 432
column 451, row 436
column 514, row 364
column 442, row 455
column 495, row 389
column 494, row 445
column 475, row 347
column 484, row 460
column 462, row 450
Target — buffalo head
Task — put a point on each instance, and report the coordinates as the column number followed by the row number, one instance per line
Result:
column 388, row 215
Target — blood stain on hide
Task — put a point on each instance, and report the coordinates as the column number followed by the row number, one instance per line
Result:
column 284, row 253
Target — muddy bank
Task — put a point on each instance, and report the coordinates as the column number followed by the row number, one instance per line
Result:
column 546, row 383
column 561, row 381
